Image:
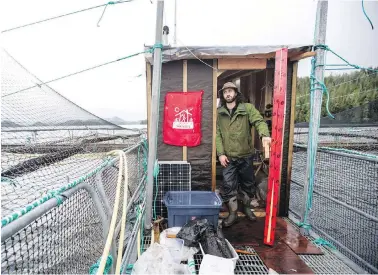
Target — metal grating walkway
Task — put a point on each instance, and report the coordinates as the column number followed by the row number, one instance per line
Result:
column 247, row 264
column 328, row 263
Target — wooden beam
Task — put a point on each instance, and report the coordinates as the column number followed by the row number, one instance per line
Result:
column 302, row 56
column 219, row 72
column 148, row 96
column 291, row 132
column 207, row 58
column 185, row 88
column 262, row 55
column 214, row 149
column 241, row 64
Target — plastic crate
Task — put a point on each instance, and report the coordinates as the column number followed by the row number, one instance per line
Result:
column 184, row 206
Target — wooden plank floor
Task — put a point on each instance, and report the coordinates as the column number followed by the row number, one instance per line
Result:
column 280, row 257
column 298, row 243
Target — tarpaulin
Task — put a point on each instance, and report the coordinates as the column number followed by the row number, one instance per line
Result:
column 182, row 118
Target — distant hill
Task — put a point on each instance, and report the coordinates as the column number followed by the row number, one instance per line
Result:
column 76, row 122
column 8, row 123
column 116, row 120
column 120, row 121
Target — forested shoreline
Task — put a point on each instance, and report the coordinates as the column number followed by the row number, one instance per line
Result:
column 346, row 91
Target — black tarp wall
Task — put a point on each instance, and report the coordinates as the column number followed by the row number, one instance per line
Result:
column 199, row 77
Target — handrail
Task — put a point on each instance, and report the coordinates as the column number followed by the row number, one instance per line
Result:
column 366, row 215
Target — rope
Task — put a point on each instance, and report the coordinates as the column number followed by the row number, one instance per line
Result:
column 304, row 225
column 112, row 226
column 367, row 17
column 124, row 215
column 12, row 217
column 79, row 72
column 94, row 267
column 341, row 150
column 106, row 5
column 196, row 56
column 322, row 242
column 63, row 15
column 11, row 181
column 129, row 268
column 339, row 84
column 314, row 80
column 326, row 48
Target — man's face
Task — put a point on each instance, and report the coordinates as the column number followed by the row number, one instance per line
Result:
column 229, row 95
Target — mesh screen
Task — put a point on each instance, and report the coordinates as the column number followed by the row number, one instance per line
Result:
column 47, row 142
column 39, row 107
column 67, row 239
column 346, row 172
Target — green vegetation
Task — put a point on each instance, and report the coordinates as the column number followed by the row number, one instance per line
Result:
column 345, row 90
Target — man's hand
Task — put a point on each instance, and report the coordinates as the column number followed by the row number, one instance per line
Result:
column 223, row 160
column 266, row 141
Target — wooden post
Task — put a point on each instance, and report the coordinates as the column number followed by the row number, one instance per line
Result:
column 291, row 133
column 275, row 163
column 214, row 149
column 185, row 88
column 148, row 96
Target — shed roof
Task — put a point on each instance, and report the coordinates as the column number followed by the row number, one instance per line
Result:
column 209, row 52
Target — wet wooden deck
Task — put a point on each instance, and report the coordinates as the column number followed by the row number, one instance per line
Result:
column 283, row 255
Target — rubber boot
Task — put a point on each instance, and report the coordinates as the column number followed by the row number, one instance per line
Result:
column 246, row 200
column 232, row 205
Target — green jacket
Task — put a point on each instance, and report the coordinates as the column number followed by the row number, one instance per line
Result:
column 234, row 136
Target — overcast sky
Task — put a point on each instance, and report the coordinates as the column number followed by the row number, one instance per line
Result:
column 69, row 44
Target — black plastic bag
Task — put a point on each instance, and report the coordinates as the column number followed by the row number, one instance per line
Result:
column 211, row 238
column 192, row 231
column 213, row 243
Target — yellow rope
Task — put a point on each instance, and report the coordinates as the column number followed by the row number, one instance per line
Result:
column 115, row 211
column 138, row 241
column 124, row 214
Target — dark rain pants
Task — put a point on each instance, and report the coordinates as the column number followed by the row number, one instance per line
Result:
column 238, row 174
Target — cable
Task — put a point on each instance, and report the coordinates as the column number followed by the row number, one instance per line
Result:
column 367, row 17
column 63, row 15
column 182, row 44
column 72, row 74
column 334, row 86
column 359, row 92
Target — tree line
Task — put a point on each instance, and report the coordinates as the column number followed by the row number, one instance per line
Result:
column 346, row 91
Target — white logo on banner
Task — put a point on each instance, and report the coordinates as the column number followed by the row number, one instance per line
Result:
column 183, row 119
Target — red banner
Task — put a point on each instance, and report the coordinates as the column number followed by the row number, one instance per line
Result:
column 182, row 118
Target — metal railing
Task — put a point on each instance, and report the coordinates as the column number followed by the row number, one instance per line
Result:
column 67, row 235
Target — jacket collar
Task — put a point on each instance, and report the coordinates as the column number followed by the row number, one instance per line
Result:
column 239, row 110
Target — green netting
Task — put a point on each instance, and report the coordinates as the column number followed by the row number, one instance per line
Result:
column 47, row 141
column 343, row 204
column 50, row 145
column 69, row 238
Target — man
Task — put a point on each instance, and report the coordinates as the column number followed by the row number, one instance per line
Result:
column 233, row 142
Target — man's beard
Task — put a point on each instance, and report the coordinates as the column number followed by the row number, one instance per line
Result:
column 230, row 99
